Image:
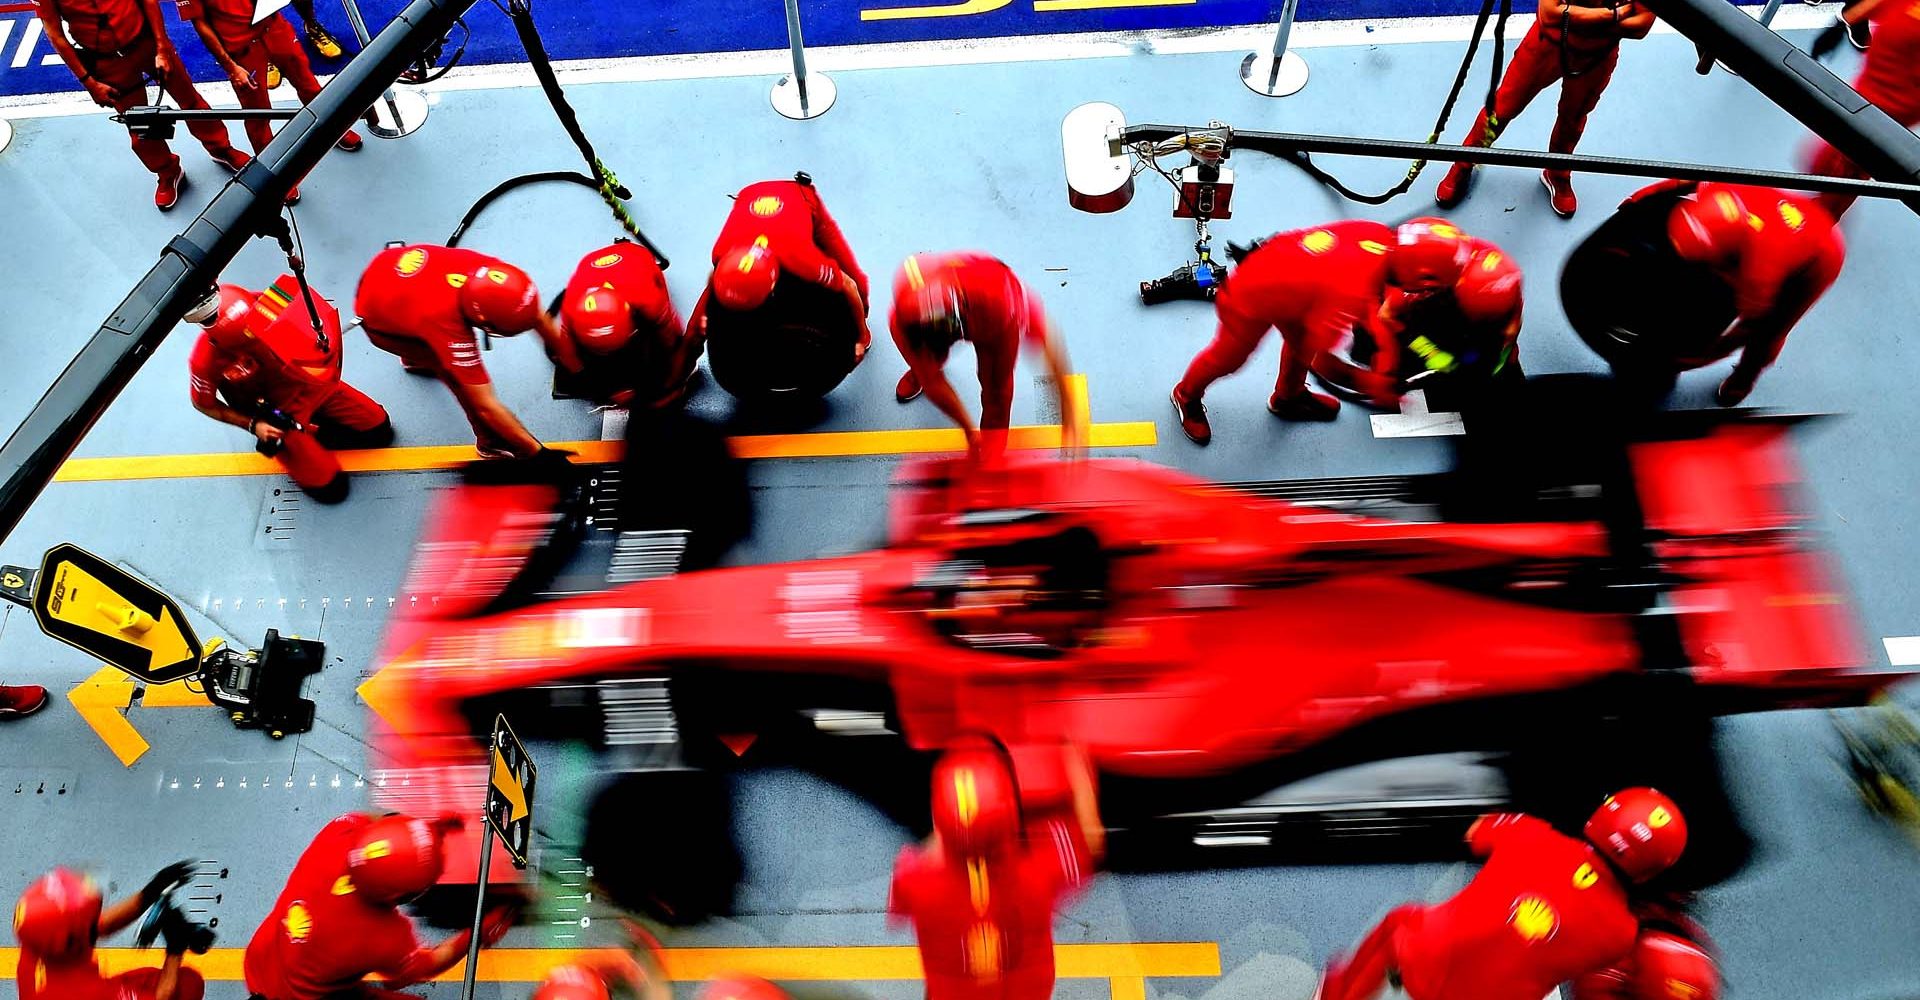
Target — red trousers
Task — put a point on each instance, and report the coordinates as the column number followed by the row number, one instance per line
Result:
column 1235, row 340
column 277, row 44
column 418, row 357
column 1536, row 64
column 127, row 74
column 1364, row 972
column 312, row 464
column 1830, row 162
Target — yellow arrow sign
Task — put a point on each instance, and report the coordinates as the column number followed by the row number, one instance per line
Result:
column 509, row 785
column 102, row 701
column 88, row 603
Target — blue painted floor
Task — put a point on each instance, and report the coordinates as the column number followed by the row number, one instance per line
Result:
column 909, row 160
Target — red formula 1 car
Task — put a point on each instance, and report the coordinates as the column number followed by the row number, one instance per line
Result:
column 1535, row 633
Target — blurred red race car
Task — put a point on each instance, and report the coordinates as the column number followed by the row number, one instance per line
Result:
column 1218, row 651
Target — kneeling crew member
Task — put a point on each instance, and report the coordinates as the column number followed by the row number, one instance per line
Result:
column 1320, row 287
column 62, row 915
column 1778, row 250
column 940, row 299
column 622, row 343
column 338, row 920
column 422, row 303
column 1544, row 909
column 786, row 308
column 1465, row 335
column 259, row 365
column 981, row 892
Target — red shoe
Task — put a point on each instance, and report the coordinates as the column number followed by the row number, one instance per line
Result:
column 19, row 702
column 293, row 196
column 167, row 193
column 232, row 158
column 1192, row 417
column 1453, row 187
column 349, row 143
column 1560, row 194
column 1306, row 405
column 907, row 389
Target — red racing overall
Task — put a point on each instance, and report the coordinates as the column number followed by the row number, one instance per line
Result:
column 1890, row 79
column 652, row 368
column 1544, row 909
column 797, row 228
column 998, row 313
column 253, row 46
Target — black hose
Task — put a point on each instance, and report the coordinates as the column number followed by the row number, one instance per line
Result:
column 1304, row 160
column 510, row 184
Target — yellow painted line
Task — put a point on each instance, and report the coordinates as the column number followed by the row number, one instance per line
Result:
column 1123, row 964
column 938, row 10
column 1047, row 5
column 100, row 701
column 827, row 444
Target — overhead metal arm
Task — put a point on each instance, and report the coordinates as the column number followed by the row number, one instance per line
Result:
column 193, row 260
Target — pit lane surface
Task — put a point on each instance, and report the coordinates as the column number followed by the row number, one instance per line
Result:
column 911, row 159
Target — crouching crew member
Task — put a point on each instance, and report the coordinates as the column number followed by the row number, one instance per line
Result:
column 785, row 310
column 62, row 915
column 259, row 365
column 622, row 343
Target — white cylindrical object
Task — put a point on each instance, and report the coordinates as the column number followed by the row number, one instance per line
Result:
column 800, row 95
column 1277, row 73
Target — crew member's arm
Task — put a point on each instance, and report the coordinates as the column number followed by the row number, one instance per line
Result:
column 425, row 963
column 1053, row 346
column 49, row 11
column 827, row 235
column 209, row 403
column 203, row 26
column 164, row 55
column 1509, row 341
column 1579, row 18
column 1635, row 21
column 480, row 400
column 561, row 349
column 940, row 392
column 1086, row 805
column 1486, row 832
column 168, row 982
column 1773, row 305
column 1333, row 321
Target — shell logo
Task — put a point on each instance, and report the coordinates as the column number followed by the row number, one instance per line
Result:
column 457, row 280
column 1659, row 817
column 1584, row 876
column 766, row 205
column 1318, row 242
column 343, row 886
column 1790, row 214
column 410, row 262
column 1534, row 919
column 298, row 922
column 1729, row 206
column 607, row 260
column 1374, row 247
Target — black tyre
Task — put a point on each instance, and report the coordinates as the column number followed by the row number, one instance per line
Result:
column 661, row 843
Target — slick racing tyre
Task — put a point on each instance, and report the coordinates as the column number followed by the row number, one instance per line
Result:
column 798, row 346
column 1634, row 301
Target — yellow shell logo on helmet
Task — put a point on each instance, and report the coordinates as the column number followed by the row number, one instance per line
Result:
column 1318, row 242
column 411, row 262
column 1533, row 919
column 766, row 205
column 607, row 260
column 298, row 922
column 1792, row 216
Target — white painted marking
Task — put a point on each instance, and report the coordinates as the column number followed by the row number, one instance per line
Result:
column 50, row 59
column 1414, row 420
column 949, row 52
column 6, row 32
column 613, row 424
column 1903, row 650
column 28, row 39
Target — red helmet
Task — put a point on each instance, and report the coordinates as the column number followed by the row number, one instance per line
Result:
column 59, row 915
column 600, row 319
column 976, row 808
column 927, row 306
column 395, row 859
column 224, row 314
column 1670, row 967
column 573, row 982
column 745, row 276
column 1712, row 226
column 501, row 298
column 738, row 987
column 1489, row 289
column 1640, row 830
column 1429, row 253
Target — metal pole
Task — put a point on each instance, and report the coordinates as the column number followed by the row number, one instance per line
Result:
column 479, row 908
column 799, row 95
column 1278, row 73
column 399, row 112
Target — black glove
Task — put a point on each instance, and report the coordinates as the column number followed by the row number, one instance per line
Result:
column 1828, row 39
column 1238, row 254
column 183, row 935
column 166, row 878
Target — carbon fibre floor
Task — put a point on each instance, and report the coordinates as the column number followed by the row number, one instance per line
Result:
column 909, row 160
